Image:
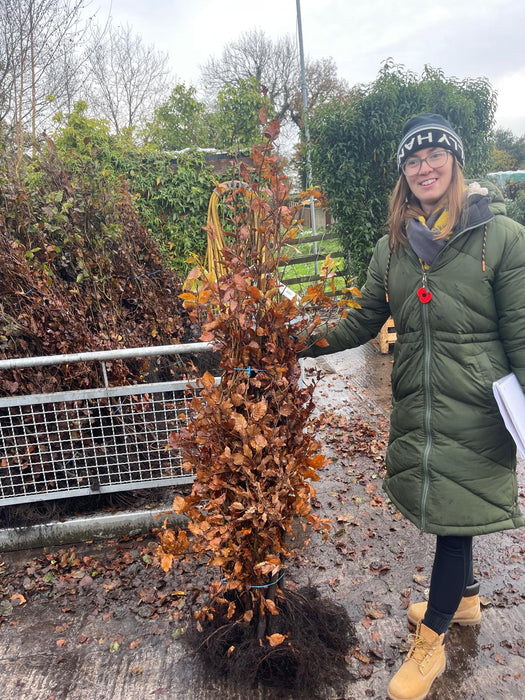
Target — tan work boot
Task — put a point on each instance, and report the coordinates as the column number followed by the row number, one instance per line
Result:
column 424, row 663
column 468, row 612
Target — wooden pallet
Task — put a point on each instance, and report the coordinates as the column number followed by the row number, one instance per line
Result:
column 386, row 337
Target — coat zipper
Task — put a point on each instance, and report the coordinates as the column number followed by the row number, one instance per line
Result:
column 427, row 353
column 427, row 404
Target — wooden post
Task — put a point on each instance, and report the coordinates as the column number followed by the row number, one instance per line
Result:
column 386, row 337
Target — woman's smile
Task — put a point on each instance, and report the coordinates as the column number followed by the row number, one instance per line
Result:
column 430, row 184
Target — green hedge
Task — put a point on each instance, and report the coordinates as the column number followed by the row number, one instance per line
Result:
column 354, row 145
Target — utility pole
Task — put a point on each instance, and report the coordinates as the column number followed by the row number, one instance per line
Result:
column 306, row 129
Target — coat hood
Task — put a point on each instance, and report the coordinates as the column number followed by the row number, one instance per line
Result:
column 483, row 186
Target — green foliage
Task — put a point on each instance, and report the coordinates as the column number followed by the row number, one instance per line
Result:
column 509, row 151
column 502, row 161
column 515, row 200
column 235, row 122
column 78, row 135
column 172, row 198
column 171, row 195
column 231, row 125
column 180, row 122
column 355, row 143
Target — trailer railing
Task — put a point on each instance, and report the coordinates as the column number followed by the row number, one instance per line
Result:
column 97, row 440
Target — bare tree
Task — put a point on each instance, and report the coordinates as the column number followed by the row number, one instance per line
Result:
column 7, row 60
column 275, row 65
column 127, row 78
column 38, row 40
column 323, row 85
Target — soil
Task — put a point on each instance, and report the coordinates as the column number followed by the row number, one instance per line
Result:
column 101, row 620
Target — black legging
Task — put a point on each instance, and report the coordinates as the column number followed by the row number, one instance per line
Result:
column 452, row 572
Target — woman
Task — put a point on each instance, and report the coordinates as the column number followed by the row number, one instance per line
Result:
column 451, row 272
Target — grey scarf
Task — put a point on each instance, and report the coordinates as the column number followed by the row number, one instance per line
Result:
column 421, row 238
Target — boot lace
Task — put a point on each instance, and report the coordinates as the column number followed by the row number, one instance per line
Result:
column 421, row 650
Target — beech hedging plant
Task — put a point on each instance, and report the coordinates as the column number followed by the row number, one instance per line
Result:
column 251, row 443
column 79, row 271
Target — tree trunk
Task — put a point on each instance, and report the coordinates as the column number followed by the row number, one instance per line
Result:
column 33, row 81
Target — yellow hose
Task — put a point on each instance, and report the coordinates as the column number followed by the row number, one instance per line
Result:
column 216, row 240
column 215, row 237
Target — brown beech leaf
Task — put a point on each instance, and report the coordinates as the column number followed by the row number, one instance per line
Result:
column 179, row 504
column 240, row 422
column 317, row 461
column 276, row 639
column 271, row 606
column 358, row 655
column 259, row 409
column 254, row 292
column 204, row 296
column 208, row 380
column 166, row 561
column 17, row 599
column 174, row 440
column 259, row 442
column 374, row 613
column 272, row 130
column 237, row 399
column 365, row 670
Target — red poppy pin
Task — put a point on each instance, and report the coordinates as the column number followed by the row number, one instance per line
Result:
column 424, row 295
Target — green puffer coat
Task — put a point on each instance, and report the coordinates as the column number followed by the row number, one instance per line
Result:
column 451, row 464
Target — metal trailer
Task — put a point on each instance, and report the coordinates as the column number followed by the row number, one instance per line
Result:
column 98, row 440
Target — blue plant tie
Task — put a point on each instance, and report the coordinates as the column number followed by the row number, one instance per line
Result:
column 268, row 585
column 147, row 274
column 248, row 370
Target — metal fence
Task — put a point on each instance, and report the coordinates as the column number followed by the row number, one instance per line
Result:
column 291, row 278
column 92, row 441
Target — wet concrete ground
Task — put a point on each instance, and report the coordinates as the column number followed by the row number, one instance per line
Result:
column 374, row 562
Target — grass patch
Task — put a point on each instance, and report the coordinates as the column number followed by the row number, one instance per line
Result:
column 307, row 269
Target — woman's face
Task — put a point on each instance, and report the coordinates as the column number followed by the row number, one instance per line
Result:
column 430, row 183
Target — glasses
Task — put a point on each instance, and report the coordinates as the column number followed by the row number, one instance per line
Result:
column 436, row 159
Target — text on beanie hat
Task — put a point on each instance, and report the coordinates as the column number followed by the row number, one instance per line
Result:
column 425, row 131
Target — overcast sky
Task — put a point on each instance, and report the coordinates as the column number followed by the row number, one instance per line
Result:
column 465, row 38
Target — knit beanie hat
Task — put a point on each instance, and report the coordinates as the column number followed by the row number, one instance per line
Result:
column 426, row 130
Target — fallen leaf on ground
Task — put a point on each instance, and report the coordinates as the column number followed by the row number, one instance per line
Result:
column 17, row 599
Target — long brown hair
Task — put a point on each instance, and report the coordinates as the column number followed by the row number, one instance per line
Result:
column 403, row 206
